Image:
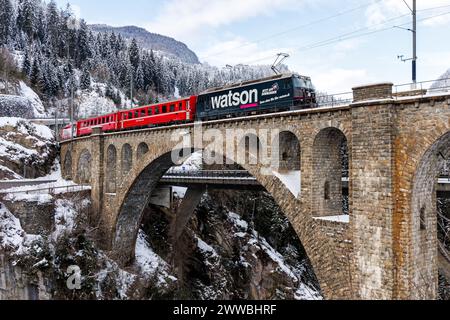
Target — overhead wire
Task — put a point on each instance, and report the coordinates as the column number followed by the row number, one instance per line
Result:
column 348, row 35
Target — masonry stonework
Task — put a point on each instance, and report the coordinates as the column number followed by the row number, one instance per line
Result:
column 381, row 254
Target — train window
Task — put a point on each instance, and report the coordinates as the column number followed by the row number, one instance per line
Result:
column 164, row 109
column 156, row 110
column 172, row 108
column 288, row 84
column 180, row 106
column 130, row 115
column 136, row 114
column 299, row 83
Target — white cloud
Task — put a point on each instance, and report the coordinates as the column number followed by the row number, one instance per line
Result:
column 340, row 80
column 238, row 50
column 184, row 18
column 379, row 12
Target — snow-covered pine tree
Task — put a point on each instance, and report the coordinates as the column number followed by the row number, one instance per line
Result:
column 134, row 54
column 26, row 17
column 37, row 77
column 139, row 79
column 53, row 25
column 83, row 46
column 85, row 80
column 27, row 64
column 6, row 15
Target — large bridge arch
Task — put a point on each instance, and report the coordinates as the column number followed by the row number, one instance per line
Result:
column 420, row 150
column 424, row 219
column 145, row 175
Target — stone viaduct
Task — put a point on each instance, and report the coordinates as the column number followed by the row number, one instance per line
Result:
column 397, row 145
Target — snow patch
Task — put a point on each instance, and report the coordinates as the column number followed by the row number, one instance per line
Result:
column 340, row 218
column 11, row 232
column 12, row 237
column 94, row 103
column 27, row 128
column 237, row 221
column 65, row 215
column 179, row 191
column 193, row 163
column 149, row 263
column 33, row 98
column 292, row 180
column 206, row 248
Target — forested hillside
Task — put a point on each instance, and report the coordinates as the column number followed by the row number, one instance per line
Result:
column 57, row 54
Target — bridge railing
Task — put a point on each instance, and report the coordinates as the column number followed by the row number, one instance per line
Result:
column 422, row 88
column 213, row 174
column 334, row 100
column 50, row 190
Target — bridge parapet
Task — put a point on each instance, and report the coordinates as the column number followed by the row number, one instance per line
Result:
column 373, row 92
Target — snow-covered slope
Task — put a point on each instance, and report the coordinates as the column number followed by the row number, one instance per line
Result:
column 25, row 149
column 23, row 102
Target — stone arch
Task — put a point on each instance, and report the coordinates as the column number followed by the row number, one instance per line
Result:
column 142, row 150
column 329, row 167
column 286, row 152
column 111, row 170
column 127, row 216
column 126, row 159
column 131, row 212
column 84, row 167
column 423, row 227
column 67, row 166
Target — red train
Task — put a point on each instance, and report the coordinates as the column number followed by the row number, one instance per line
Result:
column 172, row 112
column 273, row 94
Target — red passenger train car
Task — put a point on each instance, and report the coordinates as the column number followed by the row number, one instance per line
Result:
column 172, row 112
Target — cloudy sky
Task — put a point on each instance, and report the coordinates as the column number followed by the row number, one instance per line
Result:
column 339, row 43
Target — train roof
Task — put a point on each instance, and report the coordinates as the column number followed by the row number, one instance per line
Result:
column 246, row 83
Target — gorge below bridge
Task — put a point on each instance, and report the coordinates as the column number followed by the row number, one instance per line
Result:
column 387, row 248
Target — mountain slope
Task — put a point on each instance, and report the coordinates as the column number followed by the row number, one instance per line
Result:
column 443, row 83
column 150, row 40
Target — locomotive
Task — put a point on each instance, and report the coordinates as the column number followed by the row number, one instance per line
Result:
column 278, row 93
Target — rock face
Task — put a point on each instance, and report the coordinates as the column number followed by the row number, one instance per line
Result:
column 222, row 256
column 26, row 150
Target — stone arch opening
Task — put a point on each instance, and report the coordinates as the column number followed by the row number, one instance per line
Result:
column 249, row 151
column 132, row 211
column 142, row 150
column 67, row 166
column 430, row 222
column 330, row 169
column 84, row 167
column 286, row 152
column 111, row 170
column 126, row 159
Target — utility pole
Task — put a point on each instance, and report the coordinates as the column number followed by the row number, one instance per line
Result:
column 414, row 33
column 131, row 88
